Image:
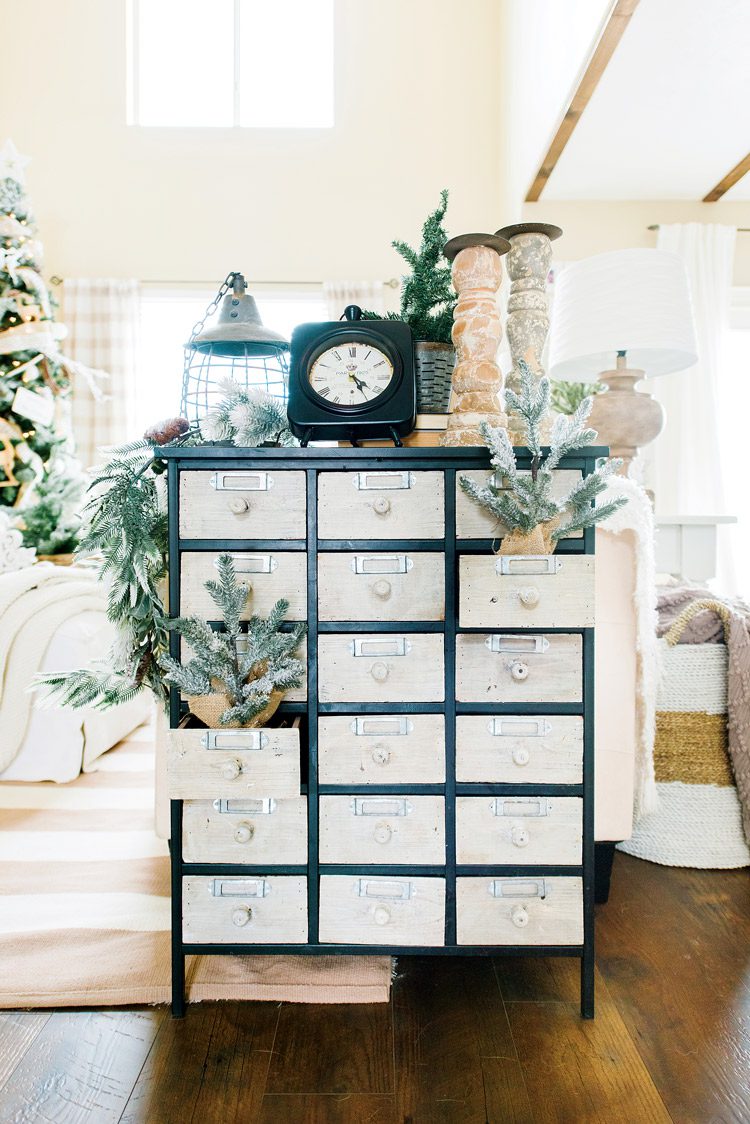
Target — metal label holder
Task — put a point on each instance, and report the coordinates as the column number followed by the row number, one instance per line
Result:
column 239, row 887
column 234, row 739
column 519, row 727
column 374, row 648
column 381, row 564
column 383, row 481
column 518, row 888
column 375, row 888
column 249, row 481
column 499, row 643
column 390, row 726
column 263, row 806
column 509, row 564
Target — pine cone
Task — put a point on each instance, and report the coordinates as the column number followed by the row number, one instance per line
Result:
column 165, row 431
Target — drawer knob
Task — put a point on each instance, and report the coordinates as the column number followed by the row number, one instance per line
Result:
column 382, row 588
column 381, row 755
column 381, row 914
column 519, row 916
column 237, row 505
column 519, row 837
column 382, row 505
column 529, row 596
column 521, row 756
column 242, row 915
column 519, row 670
column 379, row 671
column 382, row 833
column 244, row 832
column 231, row 769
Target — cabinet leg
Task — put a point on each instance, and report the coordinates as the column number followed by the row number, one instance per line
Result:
column 587, row 984
column 178, row 984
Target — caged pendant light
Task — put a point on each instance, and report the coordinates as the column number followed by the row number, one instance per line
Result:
column 237, row 346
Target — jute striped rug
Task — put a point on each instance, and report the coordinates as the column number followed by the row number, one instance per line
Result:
column 84, row 904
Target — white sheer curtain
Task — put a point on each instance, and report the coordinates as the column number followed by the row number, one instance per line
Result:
column 367, row 294
column 102, row 317
column 683, row 466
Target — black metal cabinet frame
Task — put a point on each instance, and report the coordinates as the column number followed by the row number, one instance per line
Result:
column 448, row 461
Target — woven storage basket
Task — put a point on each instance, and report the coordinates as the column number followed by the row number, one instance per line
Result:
column 699, row 821
column 434, row 367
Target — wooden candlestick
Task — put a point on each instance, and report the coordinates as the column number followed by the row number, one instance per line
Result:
column 476, row 385
column 528, row 318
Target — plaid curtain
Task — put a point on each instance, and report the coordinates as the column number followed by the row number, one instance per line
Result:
column 102, row 318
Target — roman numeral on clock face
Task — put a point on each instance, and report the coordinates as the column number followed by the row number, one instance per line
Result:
column 337, row 355
column 325, row 391
column 352, row 353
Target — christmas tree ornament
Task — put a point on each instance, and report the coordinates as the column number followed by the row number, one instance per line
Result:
column 528, row 318
column 477, row 382
column 238, row 345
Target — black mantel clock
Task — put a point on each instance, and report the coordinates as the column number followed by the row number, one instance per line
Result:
column 351, row 379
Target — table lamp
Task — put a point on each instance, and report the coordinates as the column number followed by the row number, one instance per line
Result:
column 631, row 307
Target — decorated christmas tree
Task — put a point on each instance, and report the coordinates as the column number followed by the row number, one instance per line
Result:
column 36, row 448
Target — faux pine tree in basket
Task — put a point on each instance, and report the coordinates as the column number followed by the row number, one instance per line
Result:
column 235, row 678
column 529, row 516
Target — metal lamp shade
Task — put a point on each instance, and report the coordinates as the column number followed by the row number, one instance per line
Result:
column 237, row 346
column 634, row 301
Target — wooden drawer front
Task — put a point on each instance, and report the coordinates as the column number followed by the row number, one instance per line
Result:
column 515, row 830
column 257, row 830
column 234, row 910
column 270, row 576
column 242, row 504
column 382, row 829
column 384, row 911
column 550, row 591
column 475, row 522
column 519, row 749
column 381, row 667
column 381, row 749
column 381, row 587
column 512, row 668
column 519, row 911
column 381, row 505
column 233, row 763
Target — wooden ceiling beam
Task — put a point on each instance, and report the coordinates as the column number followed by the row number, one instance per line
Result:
column 612, row 32
column 730, row 179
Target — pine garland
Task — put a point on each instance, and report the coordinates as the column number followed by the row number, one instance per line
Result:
column 247, row 418
column 427, row 294
column 525, row 500
column 247, row 667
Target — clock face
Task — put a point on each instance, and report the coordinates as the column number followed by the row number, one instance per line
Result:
column 351, row 373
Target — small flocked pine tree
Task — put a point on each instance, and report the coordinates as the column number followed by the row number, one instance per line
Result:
column 427, row 295
column 524, row 503
column 249, row 668
column 35, row 430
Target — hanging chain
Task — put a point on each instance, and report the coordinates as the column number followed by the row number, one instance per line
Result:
column 224, row 288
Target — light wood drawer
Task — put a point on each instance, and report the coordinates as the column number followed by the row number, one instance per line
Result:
column 381, row 667
column 220, row 910
column 233, row 763
column 533, row 911
column 269, row 575
column 514, row 668
column 382, row 829
column 475, row 522
column 519, row 749
column 381, row 587
column 257, row 830
column 381, row 505
column 387, row 911
column 381, row 749
column 516, row 830
column 242, row 504
column 546, row 591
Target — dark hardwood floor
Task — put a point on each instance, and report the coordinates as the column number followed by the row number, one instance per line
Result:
column 461, row 1041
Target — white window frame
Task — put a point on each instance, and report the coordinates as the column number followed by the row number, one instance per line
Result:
column 132, row 64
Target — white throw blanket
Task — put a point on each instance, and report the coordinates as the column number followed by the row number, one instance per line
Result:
column 637, row 516
column 34, row 603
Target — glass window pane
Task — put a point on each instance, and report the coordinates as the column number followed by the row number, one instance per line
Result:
column 286, row 63
column 185, row 62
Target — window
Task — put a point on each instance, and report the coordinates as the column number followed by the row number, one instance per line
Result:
column 250, row 63
column 167, row 317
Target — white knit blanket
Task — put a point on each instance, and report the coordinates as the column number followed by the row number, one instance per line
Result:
column 637, row 516
column 34, row 603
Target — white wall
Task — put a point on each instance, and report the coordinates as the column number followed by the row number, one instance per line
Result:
column 418, row 107
column 594, row 227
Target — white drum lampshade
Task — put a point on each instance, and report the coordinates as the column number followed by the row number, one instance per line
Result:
column 631, row 307
column 636, row 301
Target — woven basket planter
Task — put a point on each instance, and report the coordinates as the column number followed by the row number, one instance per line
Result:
column 699, row 820
column 434, row 366
column 209, row 708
